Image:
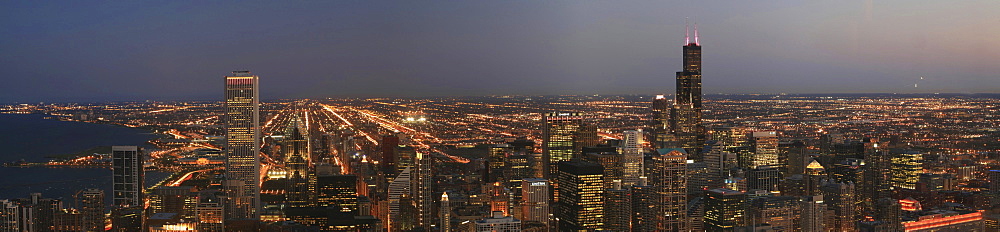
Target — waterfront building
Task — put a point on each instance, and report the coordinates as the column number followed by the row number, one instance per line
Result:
column 127, row 176
column 242, row 124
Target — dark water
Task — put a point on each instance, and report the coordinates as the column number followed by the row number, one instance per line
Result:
column 32, row 138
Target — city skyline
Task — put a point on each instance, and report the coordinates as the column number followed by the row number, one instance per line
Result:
column 475, row 49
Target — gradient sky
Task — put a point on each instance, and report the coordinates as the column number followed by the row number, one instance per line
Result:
column 177, row 50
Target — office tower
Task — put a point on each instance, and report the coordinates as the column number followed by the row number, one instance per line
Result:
column 877, row 181
column 37, row 213
column 935, row 182
column 765, row 149
column 174, row 199
column 698, row 177
column 242, row 122
column 91, row 203
column 685, row 115
column 719, row 163
column 613, row 164
column 128, row 175
column 662, row 136
column 586, row 136
column 814, row 174
column 696, row 214
column 782, row 213
column 423, row 191
column 906, row 168
column 813, row 214
column 558, row 133
column 496, row 161
column 841, row 198
column 644, row 200
column 668, row 174
column 9, row 215
column 498, row 222
column 581, row 193
column 209, row 212
column 518, row 168
column 338, row 192
column 632, row 149
column 725, row 210
column 535, row 200
column 617, row 208
column 390, row 150
column 398, row 189
column 405, row 158
column 298, row 176
column 445, row 213
column 888, row 212
column 792, row 155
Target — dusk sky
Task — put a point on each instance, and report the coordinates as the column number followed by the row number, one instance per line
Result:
column 70, row 51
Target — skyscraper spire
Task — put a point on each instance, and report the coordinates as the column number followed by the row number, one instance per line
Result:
column 687, row 38
column 696, row 35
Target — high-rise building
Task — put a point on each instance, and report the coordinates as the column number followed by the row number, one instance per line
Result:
column 127, row 219
column 765, row 149
column 242, row 122
column 581, row 193
column 782, row 213
column 662, row 136
column 9, row 215
column 209, row 212
column 398, row 190
column 498, row 222
column 686, row 113
column 613, row 163
column 37, row 213
column 906, row 168
column 128, row 175
column 668, row 175
column 813, row 214
column 644, row 201
column 558, row 137
column 535, row 200
column 632, row 149
column 496, row 162
column 617, row 208
column 338, row 192
column 423, row 191
column 173, row 199
column 725, row 210
column 841, row 198
column 500, row 198
column 299, row 178
column 445, row 213
column 91, row 203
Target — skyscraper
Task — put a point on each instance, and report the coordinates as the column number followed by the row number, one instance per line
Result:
column 299, row 177
column 685, row 115
column 581, row 194
column 765, row 149
column 644, row 202
column 422, row 190
column 632, row 149
column 617, row 208
column 127, row 175
column 558, row 138
column 91, row 203
column 242, row 122
column 535, row 200
column 445, row 213
column 668, row 174
column 724, row 210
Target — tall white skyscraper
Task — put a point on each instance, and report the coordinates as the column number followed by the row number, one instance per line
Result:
column 242, row 120
column 535, row 200
column 632, row 149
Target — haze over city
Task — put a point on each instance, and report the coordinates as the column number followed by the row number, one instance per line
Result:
column 84, row 51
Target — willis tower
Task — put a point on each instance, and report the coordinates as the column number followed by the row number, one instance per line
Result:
column 685, row 114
